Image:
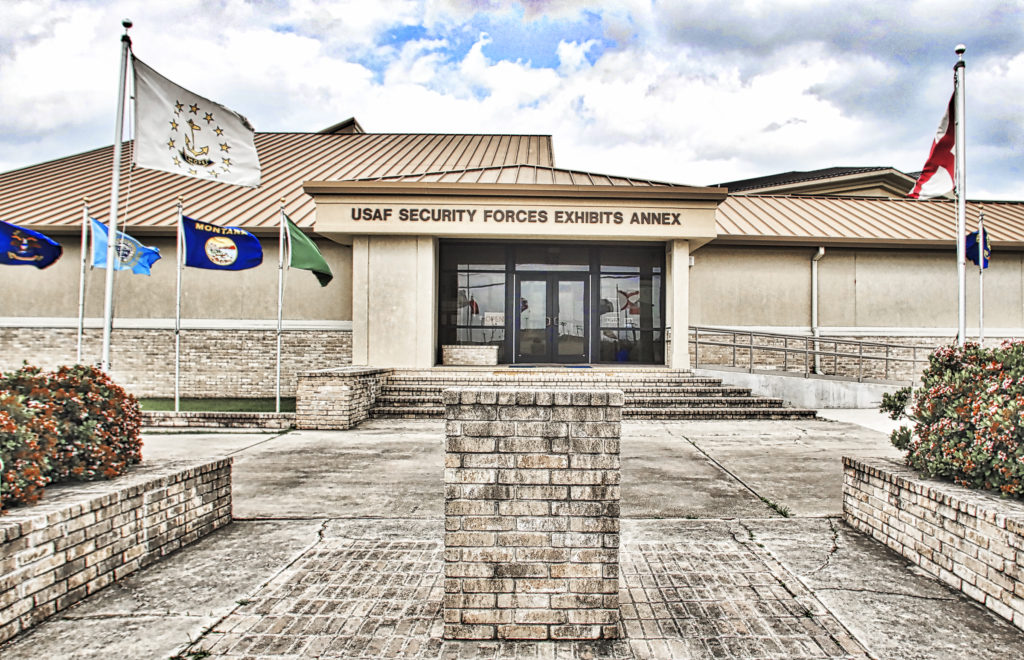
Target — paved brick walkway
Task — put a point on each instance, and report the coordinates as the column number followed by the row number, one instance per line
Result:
column 684, row 598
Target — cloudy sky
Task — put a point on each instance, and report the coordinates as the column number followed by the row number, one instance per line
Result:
column 694, row 92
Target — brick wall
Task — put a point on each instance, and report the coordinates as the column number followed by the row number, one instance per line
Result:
column 337, row 399
column 973, row 541
column 214, row 363
column 82, row 537
column 531, row 513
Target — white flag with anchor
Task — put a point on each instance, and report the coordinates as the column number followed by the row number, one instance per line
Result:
column 181, row 132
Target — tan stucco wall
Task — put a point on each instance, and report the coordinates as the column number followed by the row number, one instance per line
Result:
column 395, row 306
column 206, row 294
column 677, row 266
column 872, row 288
column 750, row 286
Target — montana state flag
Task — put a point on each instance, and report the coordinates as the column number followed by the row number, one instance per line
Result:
column 24, row 247
column 219, row 248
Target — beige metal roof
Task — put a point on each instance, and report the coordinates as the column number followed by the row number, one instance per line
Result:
column 522, row 175
column 49, row 195
column 850, row 220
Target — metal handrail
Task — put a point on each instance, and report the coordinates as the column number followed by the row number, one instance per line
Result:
column 812, row 352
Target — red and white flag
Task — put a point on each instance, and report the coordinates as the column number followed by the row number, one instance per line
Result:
column 937, row 178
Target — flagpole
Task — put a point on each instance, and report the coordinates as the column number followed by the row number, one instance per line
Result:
column 108, row 297
column 961, row 196
column 81, row 278
column 280, row 306
column 177, row 310
column 981, row 276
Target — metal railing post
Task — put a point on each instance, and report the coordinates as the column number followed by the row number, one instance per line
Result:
column 750, row 367
column 696, row 348
column 860, row 362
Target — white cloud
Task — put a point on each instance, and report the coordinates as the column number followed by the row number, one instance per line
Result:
column 695, row 93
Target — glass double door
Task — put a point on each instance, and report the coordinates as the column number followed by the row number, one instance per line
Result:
column 553, row 320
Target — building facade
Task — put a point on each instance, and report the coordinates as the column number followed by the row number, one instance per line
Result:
column 480, row 240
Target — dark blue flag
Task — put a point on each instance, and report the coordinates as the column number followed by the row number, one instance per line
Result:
column 24, row 247
column 219, row 248
column 972, row 248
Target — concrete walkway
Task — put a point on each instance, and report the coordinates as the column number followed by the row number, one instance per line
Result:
column 732, row 547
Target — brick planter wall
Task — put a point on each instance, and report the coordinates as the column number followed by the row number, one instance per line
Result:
column 337, row 399
column 531, row 513
column 81, row 537
column 453, row 355
column 973, row 541
column 222, row 420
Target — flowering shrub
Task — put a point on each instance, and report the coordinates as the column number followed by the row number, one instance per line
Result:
column 967, row 417
column 74, row 423
column 27, row 440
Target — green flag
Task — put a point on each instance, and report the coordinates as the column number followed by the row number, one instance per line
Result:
column 305, row 256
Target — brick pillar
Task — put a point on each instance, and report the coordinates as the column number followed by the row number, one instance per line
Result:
column 532, row 513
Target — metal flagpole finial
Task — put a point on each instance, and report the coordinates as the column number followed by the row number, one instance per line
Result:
column 960, row 50
column 127, row 23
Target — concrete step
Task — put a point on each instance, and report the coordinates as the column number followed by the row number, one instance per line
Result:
column 391, row 399
column 704, row 402
column 772, row 412
column 717, row 413
column 626, row 386
column 650, row 393
column 407, row 412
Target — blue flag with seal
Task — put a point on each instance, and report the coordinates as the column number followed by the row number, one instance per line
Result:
column 972, row 249
column 24, row 247
column 131, row 255
column 219, row 248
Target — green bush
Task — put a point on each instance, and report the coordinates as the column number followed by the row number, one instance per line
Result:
column 75, row 423
column 967, row 417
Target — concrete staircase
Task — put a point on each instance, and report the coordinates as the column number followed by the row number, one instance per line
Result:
column 651, row 393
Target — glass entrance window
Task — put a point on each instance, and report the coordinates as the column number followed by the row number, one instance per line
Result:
column 631, row 304
column 552, row 323
column 571, row 320
column 554, row 302
column 472, row 296
column 533, row 339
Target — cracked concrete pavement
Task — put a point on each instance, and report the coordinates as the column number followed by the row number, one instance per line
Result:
column 687, row 488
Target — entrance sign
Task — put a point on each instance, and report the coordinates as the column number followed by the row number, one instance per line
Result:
column 510, row 215
column 542, row 212
column 547, row 273
column 508, row 220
